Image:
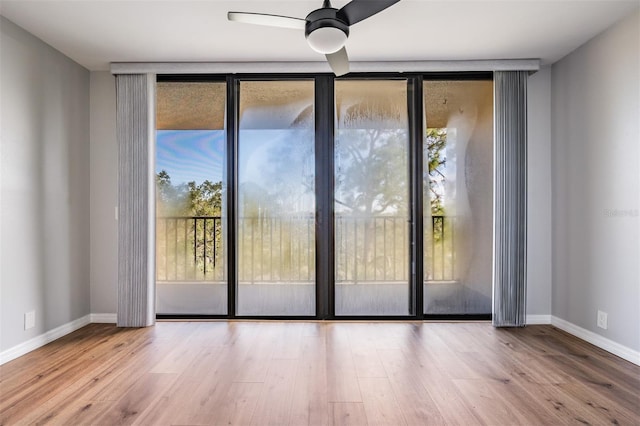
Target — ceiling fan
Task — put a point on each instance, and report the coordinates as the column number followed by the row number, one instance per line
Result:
column 326, row 29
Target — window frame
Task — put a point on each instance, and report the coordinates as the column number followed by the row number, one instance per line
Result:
column 324, row 105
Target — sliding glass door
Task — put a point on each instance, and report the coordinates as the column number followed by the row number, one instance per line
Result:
column 371, row 198
column 458, row 197
column 276, row 245
column 353, row 197
column 191, row 262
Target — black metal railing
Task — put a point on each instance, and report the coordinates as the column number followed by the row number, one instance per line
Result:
column 440, row 251
column 282, row 249
column 373, row 248
column 189, row 248
column 276, row 249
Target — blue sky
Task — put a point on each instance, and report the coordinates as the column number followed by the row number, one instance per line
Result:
column 198, row 155
column 191, row 155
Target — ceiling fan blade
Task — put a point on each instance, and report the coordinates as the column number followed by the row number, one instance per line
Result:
column 357, row 10
column 268, row 20
column 339, row 62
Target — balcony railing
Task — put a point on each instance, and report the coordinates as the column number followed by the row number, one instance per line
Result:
column 282, row 249
column 190, row 248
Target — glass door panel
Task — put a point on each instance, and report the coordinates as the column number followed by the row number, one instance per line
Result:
column 458, row 197
column 371, row 198
column 191, row 275
column 276, row 199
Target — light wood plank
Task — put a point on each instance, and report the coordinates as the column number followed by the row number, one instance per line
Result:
column 380, row 402
column 274, row 405
column 310, row 405
column 348, row 414
column 318, row 373
column 238, row 404
column 74, row 413
column 213, row 392
column 138, row 399
column 252, row 368
column 342, row 377
column 414, row 401
column 363, row 350
column 488, row 405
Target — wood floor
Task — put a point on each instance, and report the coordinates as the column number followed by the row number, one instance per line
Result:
column 313, row 373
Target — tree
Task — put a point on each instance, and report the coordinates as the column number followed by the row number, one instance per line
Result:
column 372, row 199
column 168, row 197
column 187, row 199
column 372, row 174
column 205, row 199
column 180, row 236
column 435, row 142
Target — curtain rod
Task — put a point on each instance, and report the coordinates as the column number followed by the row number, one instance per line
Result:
column 321, row 67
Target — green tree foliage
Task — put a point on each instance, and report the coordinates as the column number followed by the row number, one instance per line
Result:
column 188, row 199
column 435, row 142
column 205, row 199
column 371, row 180
column 188, row 248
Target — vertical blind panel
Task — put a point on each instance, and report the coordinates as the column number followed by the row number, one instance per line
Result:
column 135, row 306
column 510, row 94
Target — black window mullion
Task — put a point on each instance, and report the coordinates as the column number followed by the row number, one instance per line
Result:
column 233, row 96
column 324, row 135
column 416, row 126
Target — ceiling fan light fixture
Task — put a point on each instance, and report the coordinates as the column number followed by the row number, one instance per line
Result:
column 327, row 40
column 326, row 29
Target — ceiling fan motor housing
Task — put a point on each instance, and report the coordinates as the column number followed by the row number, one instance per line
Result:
column 325, row 31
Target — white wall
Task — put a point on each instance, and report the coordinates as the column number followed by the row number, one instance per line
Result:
column 104, row 194
column 595, row 157
column 539, row 194
column 44, row 181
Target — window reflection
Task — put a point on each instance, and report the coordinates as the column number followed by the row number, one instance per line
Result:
column 371, row 198
column 190, row 180
column 458, row 188
column 276, row 199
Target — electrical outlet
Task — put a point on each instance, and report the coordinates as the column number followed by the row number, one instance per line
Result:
column 29, row 320
column 602, row 319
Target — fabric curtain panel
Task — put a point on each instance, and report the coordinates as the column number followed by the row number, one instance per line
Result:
column 135, row 124
column 510, row 197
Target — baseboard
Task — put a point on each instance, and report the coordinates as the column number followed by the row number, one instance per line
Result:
column 103, row 318
column 597, row 340
column 51, row 335
column 538, row 319
column 41, row 340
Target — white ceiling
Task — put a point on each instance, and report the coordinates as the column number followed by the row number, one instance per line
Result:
column 97, row 32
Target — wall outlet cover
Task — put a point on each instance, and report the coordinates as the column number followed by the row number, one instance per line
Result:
column 29, row 320
column 602, row 320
